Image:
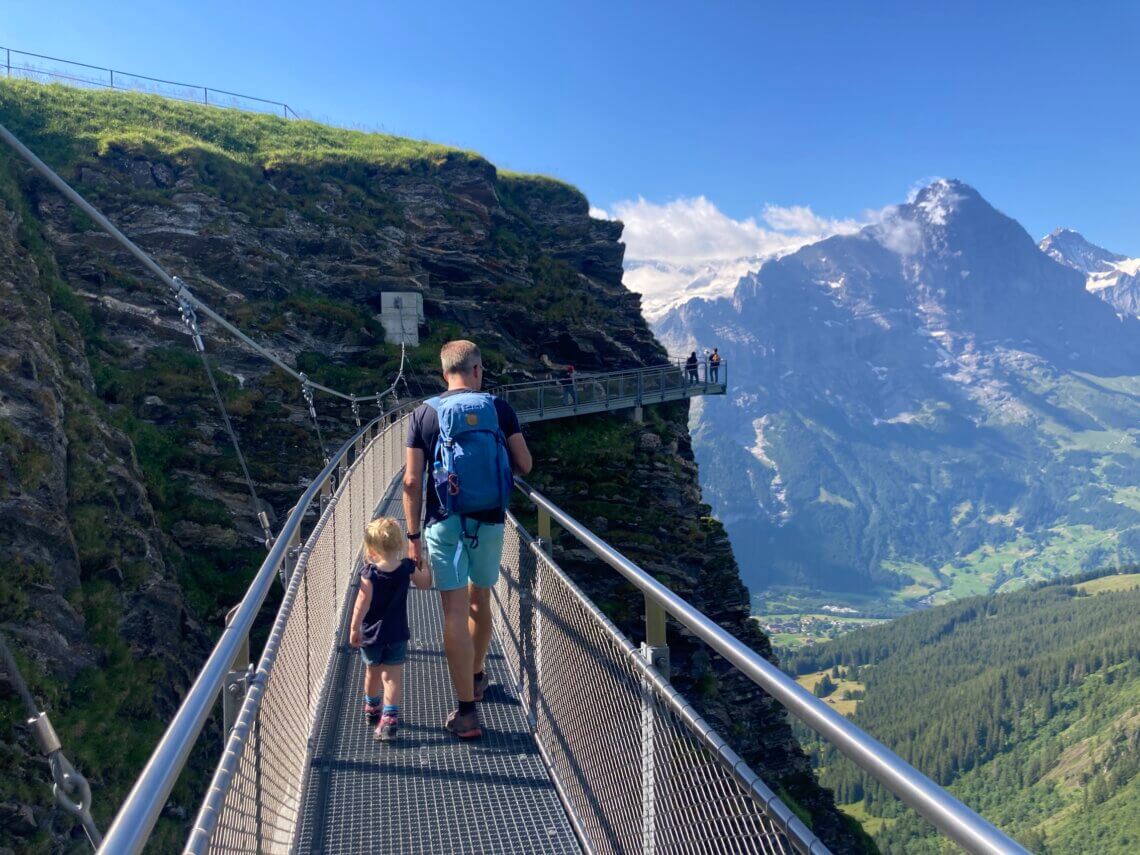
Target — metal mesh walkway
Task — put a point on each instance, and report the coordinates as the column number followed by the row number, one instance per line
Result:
column 427, row 791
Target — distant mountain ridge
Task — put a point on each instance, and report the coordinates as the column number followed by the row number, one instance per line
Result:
column 932, row 406
column 1112, row 277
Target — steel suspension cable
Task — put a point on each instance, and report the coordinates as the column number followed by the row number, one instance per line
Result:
column 173, row 282
column 307, row 392
column 190, row 319
column 66, row 779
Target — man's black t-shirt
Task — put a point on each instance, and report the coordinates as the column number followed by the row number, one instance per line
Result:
column 387, row 619
column 423, row 433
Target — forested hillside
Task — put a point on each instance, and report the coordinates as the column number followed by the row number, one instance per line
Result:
column 1027, row 705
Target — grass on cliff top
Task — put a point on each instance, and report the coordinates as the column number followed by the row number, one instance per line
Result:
column 65, row 125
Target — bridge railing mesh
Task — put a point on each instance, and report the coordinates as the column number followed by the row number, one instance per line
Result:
column 256, row 796
column 636, row 765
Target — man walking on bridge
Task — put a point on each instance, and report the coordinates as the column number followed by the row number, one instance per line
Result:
column 468, row 442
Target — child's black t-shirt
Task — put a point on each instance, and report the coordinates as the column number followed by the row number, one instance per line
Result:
column 386, row 621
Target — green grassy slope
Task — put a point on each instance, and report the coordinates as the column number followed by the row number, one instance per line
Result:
column 1027, row 705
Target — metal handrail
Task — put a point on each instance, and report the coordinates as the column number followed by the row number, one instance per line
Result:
column 595, row 375
column 140, row 809
column 950, row 816
column 582, row 376
column 760, row 792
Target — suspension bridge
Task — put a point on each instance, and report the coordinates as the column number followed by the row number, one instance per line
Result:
column 298, row 771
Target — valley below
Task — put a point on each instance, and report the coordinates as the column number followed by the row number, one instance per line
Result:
column 1037, row 730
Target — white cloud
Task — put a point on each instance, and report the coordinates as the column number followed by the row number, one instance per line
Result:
column 895, row 232
column 801, row 220
column 689, row 248
column 695, row 231
column 690, row 231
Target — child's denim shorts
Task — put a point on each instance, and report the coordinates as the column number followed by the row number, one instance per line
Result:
column 385, row 654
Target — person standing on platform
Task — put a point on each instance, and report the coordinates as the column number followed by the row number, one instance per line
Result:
column 569, row 387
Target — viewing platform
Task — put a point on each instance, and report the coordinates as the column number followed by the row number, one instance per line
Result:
column 558, row 398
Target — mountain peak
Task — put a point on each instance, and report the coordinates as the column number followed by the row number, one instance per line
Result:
column 940, row 216
column 937, row 202
column 1072, row 249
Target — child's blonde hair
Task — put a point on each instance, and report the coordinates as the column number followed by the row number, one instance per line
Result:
column 383, row 538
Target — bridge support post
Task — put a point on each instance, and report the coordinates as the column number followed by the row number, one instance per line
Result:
column 656, row 646
column 235, row 685
column 544, row 526
column 637, row 414
column 655, row 650
column 292, row 555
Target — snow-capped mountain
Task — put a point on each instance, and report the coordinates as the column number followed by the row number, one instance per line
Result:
column 927, row 408
column 1071, row 248
column 664, row 285
column 1114, row 278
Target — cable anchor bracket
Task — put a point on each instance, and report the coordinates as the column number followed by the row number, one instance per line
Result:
column 189, row 316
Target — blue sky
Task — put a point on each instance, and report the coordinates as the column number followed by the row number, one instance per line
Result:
column 837, row 106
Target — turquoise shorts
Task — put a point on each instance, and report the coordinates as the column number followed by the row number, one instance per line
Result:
column 454, row 563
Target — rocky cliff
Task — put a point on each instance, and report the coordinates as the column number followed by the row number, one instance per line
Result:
column 126, row 520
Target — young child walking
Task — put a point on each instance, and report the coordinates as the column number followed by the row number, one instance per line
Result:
column 380, row 621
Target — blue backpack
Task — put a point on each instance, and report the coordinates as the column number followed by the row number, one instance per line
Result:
column 471, row 469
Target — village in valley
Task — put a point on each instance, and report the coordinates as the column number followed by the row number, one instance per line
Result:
column 792, row 631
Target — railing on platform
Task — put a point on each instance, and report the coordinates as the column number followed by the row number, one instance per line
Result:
column 950, row 816
column 648, row 774
column 612, row 390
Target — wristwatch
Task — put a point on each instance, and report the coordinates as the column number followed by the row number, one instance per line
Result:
column 415, row 536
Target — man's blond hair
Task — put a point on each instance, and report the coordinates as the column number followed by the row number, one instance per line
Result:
column 460, row 356
column 383, row 538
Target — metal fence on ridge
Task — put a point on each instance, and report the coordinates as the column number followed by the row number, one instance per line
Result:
column 51, row 69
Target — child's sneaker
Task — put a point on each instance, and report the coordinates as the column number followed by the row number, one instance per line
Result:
column 386, row 729
column 372, row 712
column 481, row 686
column 464, row 726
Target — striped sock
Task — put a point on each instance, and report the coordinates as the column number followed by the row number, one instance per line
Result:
column 392, row 709
column 373, row 701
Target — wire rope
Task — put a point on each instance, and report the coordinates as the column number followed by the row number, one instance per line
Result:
column 66, row 779
column 190, row 319
column 181, row 291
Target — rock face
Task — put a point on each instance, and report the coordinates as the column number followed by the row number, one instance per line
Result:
column 929, row 408
column 125, row 506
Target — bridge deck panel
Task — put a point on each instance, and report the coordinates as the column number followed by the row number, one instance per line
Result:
column 426, row 791
column 586, row 407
